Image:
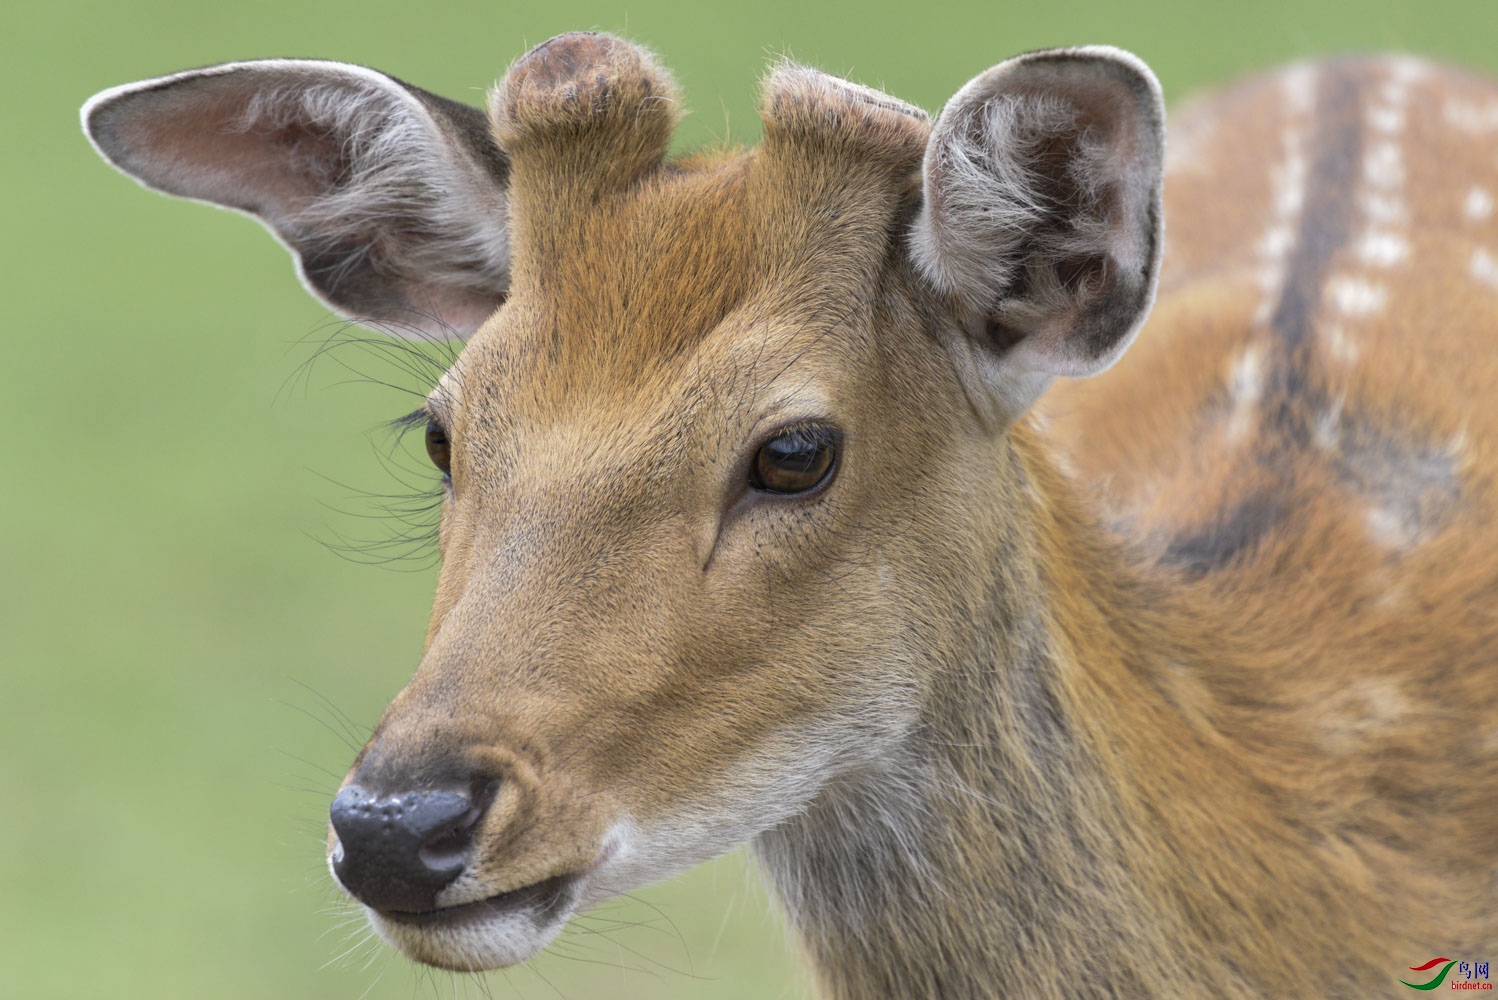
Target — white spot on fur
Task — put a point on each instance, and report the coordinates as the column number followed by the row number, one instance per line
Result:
column 1484, row 267
column 1478, row 205
column 1356, row 297
column 1407, row 69
column 1394, row 95
column 1246, row 388
column 1299, row 85
column 1290, row 179
column 1363, row 710
column 1339, row 343
column 1388, row 529
column 1325, row 431
column 1268, row 278
column 1383, row 699
column 1277, row 241
column 1472, row 117
column 1381, row 248
column 1459, row 450
column 1384, row 165
column 1248, row 375
column 1386, row 119
column 1382, row 209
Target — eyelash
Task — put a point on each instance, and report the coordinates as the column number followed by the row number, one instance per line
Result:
column 412, row 514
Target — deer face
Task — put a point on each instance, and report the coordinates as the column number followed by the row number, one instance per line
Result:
column 715, row 468
column 667, row 450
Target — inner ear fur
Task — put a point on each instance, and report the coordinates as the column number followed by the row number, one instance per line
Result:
column 391, row 199
column 1042, row 208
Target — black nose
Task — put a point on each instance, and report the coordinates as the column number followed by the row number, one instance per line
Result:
column 397, row 852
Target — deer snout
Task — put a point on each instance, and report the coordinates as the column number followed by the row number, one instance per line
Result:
column 396, row 852
column 462, row 854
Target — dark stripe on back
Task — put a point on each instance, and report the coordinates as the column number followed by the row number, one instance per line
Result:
column 1329, row 205
column 1234, row 534
column 1293, row 392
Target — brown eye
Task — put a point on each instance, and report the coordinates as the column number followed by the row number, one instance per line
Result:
column 437, row 447
column 795, row 461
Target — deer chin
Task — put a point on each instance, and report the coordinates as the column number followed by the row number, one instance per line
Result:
column 472, row 932
column 491, row 933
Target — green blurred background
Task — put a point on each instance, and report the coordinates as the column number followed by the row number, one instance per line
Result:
column 179, row 649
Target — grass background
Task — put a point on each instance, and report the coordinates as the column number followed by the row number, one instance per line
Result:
column 177, row 648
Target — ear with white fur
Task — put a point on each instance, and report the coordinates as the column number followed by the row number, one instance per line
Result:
column 391, row 199
column 1042, row 212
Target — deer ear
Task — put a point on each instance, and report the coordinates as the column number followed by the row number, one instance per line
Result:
column 1042, row 215
column 391, row 199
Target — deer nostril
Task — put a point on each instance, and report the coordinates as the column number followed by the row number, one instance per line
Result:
column 449, row 845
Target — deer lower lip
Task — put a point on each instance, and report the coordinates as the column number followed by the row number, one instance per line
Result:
column 544, row 897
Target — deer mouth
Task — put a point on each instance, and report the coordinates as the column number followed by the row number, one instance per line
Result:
column 541, row 901
column 502, row 930
column 497, row 931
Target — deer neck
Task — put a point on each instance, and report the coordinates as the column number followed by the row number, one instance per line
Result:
column 1055, row 814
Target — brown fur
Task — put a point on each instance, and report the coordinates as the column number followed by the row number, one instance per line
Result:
column 1133, row 697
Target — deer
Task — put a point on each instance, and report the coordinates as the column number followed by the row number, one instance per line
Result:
column 778, row 509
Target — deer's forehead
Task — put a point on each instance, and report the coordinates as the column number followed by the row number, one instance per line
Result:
column 643, row 270
column 702, row 232
column 701, row 283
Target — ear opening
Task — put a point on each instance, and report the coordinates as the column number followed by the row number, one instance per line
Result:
column 392, row 200
column 1042, row 214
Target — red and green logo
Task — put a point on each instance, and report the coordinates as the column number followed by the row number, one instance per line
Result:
column 1440, row 976
column 1471, row 975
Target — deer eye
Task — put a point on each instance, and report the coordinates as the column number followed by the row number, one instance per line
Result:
column 796, row 460
column 437, row 447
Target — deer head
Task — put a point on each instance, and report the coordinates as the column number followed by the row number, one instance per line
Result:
column 726, row 457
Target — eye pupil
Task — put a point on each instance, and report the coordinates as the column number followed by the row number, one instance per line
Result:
column 794, row 461
column 437, row 447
